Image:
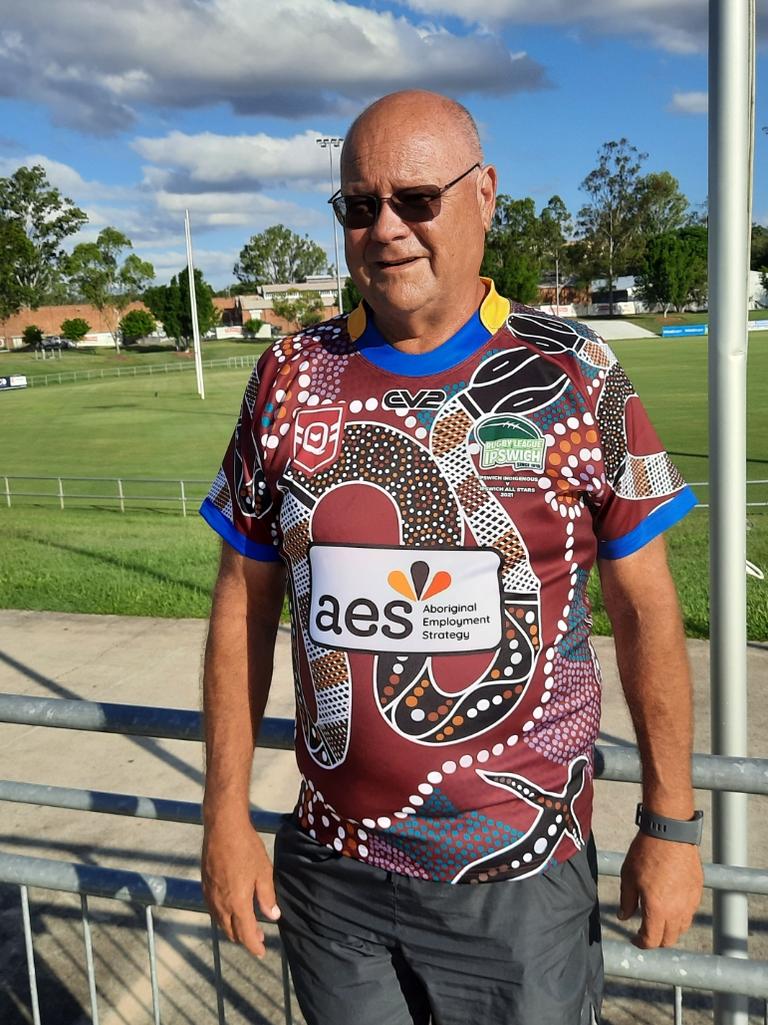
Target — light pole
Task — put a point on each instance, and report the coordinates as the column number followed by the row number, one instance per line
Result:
column 330, row 143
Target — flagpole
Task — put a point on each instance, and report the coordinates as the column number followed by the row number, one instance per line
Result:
column 193, row 310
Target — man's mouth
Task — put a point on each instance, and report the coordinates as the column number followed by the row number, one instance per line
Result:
column 397, row 263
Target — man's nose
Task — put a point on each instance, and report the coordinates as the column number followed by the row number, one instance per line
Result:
column 388, row 225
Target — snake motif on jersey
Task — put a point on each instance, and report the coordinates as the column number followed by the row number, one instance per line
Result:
column 388, row 458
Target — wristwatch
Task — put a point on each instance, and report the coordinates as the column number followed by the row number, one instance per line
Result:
column 680, row 830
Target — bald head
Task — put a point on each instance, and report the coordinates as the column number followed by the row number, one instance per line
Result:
column 413, row 114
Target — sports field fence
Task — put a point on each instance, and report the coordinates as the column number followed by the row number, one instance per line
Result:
column 181, row 494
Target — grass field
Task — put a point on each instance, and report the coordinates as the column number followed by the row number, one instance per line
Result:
column 158, row 563
column 12, row 362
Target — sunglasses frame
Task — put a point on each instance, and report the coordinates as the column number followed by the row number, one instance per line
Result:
column 378, row 201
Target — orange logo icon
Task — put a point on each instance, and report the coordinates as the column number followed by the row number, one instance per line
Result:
column 419, row 587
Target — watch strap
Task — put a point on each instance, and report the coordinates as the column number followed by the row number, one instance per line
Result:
column 663, row 828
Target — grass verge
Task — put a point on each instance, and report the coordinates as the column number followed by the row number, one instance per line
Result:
column 159, row 564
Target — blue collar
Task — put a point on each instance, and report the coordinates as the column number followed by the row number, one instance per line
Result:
column 377, row 350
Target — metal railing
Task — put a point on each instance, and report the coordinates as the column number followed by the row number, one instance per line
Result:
column 677, row 968
column 153, row 369
column 125, row 491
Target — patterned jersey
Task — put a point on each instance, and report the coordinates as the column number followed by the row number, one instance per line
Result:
column 439, row 515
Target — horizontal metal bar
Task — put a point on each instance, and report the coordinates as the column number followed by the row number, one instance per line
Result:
column 716, row 877
column 695, row 971
column 133, row 720
column 710, row 772
column 612, row 762
column 159, row 808
column 119, row 884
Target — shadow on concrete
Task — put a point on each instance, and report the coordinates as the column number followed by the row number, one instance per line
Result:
column 148, row 744
column 252, row 990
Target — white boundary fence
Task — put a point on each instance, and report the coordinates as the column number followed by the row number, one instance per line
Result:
column 154, row 369
column 151, row 492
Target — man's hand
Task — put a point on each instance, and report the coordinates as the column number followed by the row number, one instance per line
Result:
column 236, row 873
column 666, row 879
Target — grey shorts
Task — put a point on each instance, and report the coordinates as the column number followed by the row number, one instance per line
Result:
column 370, row 947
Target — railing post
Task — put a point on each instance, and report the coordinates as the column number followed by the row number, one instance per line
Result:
column 120, row 493
column 183, row 499
column 7, row 492
column 61, row 492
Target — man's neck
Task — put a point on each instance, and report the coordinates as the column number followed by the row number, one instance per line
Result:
column 419, row 332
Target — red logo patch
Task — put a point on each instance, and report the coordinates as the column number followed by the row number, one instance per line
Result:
column 317, row 437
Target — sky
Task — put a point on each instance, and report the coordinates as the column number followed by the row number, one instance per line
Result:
column 139, row 109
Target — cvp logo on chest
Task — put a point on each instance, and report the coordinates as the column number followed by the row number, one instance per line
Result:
column 424, row 398
column 404, row 599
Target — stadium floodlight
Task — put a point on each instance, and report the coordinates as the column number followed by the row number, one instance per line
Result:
column 330, row 143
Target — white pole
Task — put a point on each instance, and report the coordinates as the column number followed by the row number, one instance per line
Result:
column 193, row 309
column 329, row 143
column 731, row 63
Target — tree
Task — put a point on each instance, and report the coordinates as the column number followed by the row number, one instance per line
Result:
column 610, row 223
column 662, row 207
column 43, row 219
column 170, row 304
column 305, row 310
column 32, row 334
column 278, row 255
column 75, row 329
column 674, row 268
column 252, row 327
column 96, row 271
column 555, row 228
column 759, row 259
column 137, row 324
column 14, row 250
column 512, row 249
column 350, row 296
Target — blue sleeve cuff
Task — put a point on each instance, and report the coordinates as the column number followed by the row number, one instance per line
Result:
column 663, row 517
column 216, row 519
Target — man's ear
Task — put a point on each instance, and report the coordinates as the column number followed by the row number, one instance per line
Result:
column 487, row 187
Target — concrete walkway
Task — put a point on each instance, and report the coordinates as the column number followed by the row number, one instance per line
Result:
column 157, row 662
column 610, row 330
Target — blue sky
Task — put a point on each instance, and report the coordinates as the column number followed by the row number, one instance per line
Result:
column 140, row 109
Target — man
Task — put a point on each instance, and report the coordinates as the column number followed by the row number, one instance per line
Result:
column 438, row 472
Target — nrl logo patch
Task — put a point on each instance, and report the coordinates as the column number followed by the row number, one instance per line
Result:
column 507, row 440
column 317, row 438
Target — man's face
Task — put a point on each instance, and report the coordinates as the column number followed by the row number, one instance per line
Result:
column 402, row 266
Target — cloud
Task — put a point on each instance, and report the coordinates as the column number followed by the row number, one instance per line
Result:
column 689, row 103
column 94, row 65
column 677, row 26
column 233, row 162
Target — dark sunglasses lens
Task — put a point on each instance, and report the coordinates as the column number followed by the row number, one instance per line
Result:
column 416, row 205
column 356, row 211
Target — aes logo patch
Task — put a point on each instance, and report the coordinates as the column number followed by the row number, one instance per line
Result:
column 425, row 600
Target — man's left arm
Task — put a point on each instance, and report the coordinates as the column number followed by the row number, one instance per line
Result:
column 663, row 877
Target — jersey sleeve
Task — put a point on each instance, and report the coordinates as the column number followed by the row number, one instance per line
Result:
column 643, row 492
column 240, row 506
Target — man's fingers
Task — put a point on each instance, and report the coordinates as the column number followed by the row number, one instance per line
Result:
column 265, row 898
column 248, row 934
column 671, row 934
column 628, row 898
column 651, row 929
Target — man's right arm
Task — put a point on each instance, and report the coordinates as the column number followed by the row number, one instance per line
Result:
column 235, row 868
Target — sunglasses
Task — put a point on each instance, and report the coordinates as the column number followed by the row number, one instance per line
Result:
column 414, row 204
